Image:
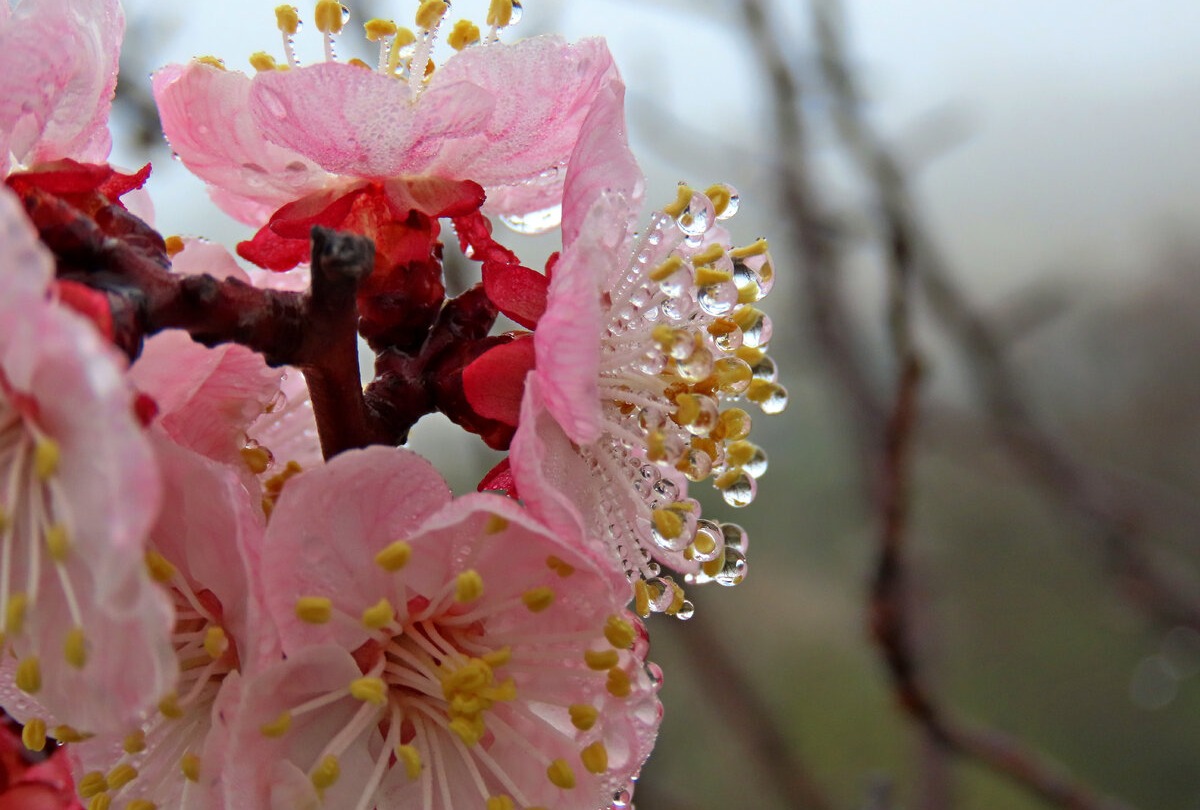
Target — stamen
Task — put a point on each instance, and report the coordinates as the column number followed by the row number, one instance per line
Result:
column 92, row 783
column 468, row 586
column 464, row 34
column 619, row 632
column 287, row 18
column 326, row 772
column 29, row 675
column 329, row 16
column 394, row 557
column 500, row 13
column 411, row 758
column 618, row 683
column 583, row 716
column 120, row 776
column 215, row 641
column 46, row 456
column 314, row 609
column 369, row 690
column 430, row 13
column 595, row 757
column 75, row 648
column 189, row 763
column 379, row 615
column 601, row 660
column 33, row 736
column 277, row 727
column 135, row 742
column 538, row 599
column 500, row 803
column 161, row 570
column 561, row 775
column 58, row 542
column 560, row 567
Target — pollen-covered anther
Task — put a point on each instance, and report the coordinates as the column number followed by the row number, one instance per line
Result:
column 583, row 716
column 430, row 13
column 641, row 598
column 756, row 248
column 410, row 757
column 495, row 524
column 189, row 763
column 329, row 16
column 326, row 773
column 46, row 457
column 500, row 803
column 721, row 196
column 174, row 245
column 618, row 683
column 28, row 677
column 75, row 648
column 369, row 690
column 500, row 13
column 601, row 660
column 560, row 774
column 254, row 456
column 134, row 742
column 212, row 61
column 378, row 615
column 619, row 632
column 141, row 804
column 468, row 586
column 160, row 568
column 69, row 734
column 120, row 776
column 595, row 757
column 377, row 29
column 538, row 599
column 463, row 35
column 14, row 613
column 394, row 557
column 314, row 609
column 169, row 707
column 559, row 566
column 58, row 542
column 667, row 523
column 101, row 801
column 262, row 62
column 33, row 736
column 683, row 198
column 277, row 727
column 287, row 19
column 91, row 784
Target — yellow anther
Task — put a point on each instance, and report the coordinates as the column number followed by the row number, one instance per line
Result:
column 141, row 804
column 668, row 523
column 394, row 557
column 687, row 410
column 263, row 62
column 538, row 599
column 720, row 196
column 667, row 269
column 314, row 609
column 748, row 317
column 561, row 775
column 559, row 566
column 212, row 61
column 326, row 773
column 732, row 375
column 277, row 727
column 378, row 615
column 500, row 13
column 121, row 776
column 752, row 356
column 495, row 524
column 170, row 708
column 595, row 757
column 756, row 248
column 619, row 632
column 91, row 783
column 189, row 763
column 703, row 544
column 601, row 660
column 430, row 67
column 358, row 63
column 101, row 801
column 174, row 245
column 709, row 255
column 468, row 586
column 500, row 803
column 369, row 690
column 58, row 542
column 641, row 598
column 287, row 18
column 33, row 736
column 618, row 684
column 258, row 459
column 469, row 729
column 683, row 199
column 760, row 391
column 463, row 35
column 75, row 647
column 583, row 716
column 29, row 675
column 411, row 758
column 736, row 422
column 215, row 642
column 738, row 454
column 506, row 691
column 656, row 446
column 497, row 658
column 273, row 486
column 430, row 14
column 46, row 456
column 327, row 16
column 68, row 734
column 677, row 600
column 377, row 29
column 161, row 570
column 134, row 742
column 707, row 275
column 404, row 38
column 722, row 327
column 14, row 613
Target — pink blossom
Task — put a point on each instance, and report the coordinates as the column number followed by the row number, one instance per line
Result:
column 86, row 631
column 645, row 341
column 26, row 267
column 504, row 116
column 58, row 72
column 440, row 653
column 205, row 550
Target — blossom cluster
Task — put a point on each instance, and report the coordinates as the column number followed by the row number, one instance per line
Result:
column 223, row 581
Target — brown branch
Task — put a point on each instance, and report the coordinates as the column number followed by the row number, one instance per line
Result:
column 747, row 716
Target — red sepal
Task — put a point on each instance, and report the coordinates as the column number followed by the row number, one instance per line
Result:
column 494, row 382
column 89, row 302
column 500, row 479
column 518, row 292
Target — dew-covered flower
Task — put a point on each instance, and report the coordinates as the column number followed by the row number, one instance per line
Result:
column 317, row 137
column 84, row 628
column 205, row 553
column 440, row 654
column 58, row 72
column 643, row 345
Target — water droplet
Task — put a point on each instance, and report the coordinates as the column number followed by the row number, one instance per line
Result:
column 739, row 489
column 653, row 363
column 686, row 611
column 621, row 799
column 710, row 541
column 667, row 490
column 765, row 369
column 697, row 465
column 535, row 222
column 734, row 569
column 756, row 328
column 717, row 299
column 696, row 367
column 757, row 464
column 776, row 401
column 731, row 207
column 697, row 216
column 662, row 593
column 735, row 537
column 517, row 13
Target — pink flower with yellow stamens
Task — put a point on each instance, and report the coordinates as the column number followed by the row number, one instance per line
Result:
column 440, row 654
column 58, row 72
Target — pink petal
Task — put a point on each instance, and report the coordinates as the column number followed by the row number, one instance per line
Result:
column 601, row 163
column 359, row 122
column 207, row 118
column 58, row 71
column 543, row 89
column 26, row 267
column 329, row 524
